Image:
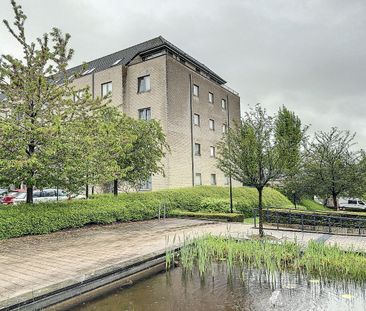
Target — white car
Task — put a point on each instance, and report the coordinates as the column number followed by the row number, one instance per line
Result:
column 45, row 195
column 348, row 203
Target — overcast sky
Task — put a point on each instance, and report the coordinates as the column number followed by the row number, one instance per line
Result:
column 307, row 55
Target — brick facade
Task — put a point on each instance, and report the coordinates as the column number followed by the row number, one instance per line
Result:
column 173, row 104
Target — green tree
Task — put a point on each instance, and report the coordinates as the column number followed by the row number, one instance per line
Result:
column 253, row 152
column 333, row 167
column 38, row 104
column 146, row 156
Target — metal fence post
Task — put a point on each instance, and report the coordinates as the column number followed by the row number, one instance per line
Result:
column 329, row 225
column 255, row 217
column 302, row 222
column 277, row 219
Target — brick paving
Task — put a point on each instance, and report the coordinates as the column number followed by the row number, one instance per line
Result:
column 33, row 263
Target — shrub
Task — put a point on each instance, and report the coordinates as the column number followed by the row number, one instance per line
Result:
column 44, row 218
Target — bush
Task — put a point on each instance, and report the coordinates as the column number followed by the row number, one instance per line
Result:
column 215, row 216
column 44, row 218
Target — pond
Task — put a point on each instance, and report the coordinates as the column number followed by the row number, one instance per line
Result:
column 242, row 289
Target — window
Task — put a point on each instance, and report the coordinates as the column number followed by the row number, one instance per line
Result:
column 197, row 149
column 213, row 179
column 223, row 104
column 87, row 71
column 196, row 119
column 198, row 179
column 210, row 98
column 196, row 90
column 224, row 128
column 116, row 62
column 211, row 124
column 212, row 152
column 147, row 185
column 145, row 114
column 79, row 95
column 106, row 88
column 143, row 84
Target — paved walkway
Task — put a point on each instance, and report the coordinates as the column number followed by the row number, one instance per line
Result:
column 30, row 264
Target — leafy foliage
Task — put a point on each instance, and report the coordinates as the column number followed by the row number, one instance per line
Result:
column 145, row 157
column 261, row 149
column 44, row 218
column 331, row 166
column 38, row 107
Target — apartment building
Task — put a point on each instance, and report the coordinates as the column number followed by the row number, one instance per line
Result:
column 157, row 80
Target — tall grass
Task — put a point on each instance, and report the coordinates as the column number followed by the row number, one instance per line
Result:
column 317, row 259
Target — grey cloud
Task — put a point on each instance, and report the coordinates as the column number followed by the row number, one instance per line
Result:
column 309, row 55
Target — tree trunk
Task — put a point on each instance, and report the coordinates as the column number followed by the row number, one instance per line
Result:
column 87, row 191
column 115, row 187
column 231, row 194
column 260, row 211
column 335, row 202
column 30, row 194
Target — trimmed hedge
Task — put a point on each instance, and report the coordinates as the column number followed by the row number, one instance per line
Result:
column 230, row 217
column 44, row 218
column 210, row 199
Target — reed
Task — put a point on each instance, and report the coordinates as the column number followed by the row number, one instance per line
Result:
column 317, row 259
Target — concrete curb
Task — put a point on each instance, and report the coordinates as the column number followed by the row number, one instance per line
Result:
column 74, row 287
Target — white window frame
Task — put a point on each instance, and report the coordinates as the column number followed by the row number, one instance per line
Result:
column 211, row 124
column 147, row 185
column 212, row 151
column 145, row 112
column 106, row 88
column 196, row 119
column 198, row 179
column 211, row 98
column 224, row 128
column 213, row 180
column 196, row 90
column 197, row 149
column 143, row 84
column 223, row 104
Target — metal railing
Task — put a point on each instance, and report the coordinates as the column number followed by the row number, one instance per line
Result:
column 162, row 209
column 313, row 221
column 230, row 89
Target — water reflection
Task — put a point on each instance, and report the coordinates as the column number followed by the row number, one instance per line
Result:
column 243, row 289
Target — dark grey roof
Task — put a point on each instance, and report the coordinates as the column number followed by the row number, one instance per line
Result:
column 128, row 54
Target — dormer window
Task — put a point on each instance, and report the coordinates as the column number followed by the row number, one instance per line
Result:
column 86, row 72
column 116, row 62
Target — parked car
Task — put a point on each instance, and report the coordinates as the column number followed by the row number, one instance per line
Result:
column 351, row 204
column 45, row 195
column 14, row 197
column 3, row 192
